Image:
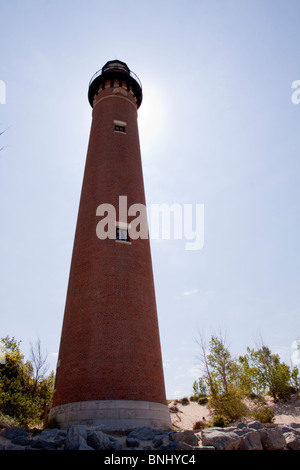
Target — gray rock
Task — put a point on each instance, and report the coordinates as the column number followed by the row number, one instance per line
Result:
column 157, row 441
column 255, row 425
column 220, row 439
column 184, row 446
column 21, row 440
column 170, row 446
column 84, row 446
column 184, row 436
column 272, row 439
column 132, row 442
column 287, row 428
column 143, row 433
column 116, row 445
column 13, row 431
column 251, row 441
column 49, row 433
column 292, row 441
column 158, row 431
column 99, row 440
column 14, row 447
column 241, row 426
column 39, row 443
column 76, row 438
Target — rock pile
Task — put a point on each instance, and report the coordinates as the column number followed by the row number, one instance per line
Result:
column 253, row 436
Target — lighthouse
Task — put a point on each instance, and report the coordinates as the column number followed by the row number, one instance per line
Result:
column 109, row 370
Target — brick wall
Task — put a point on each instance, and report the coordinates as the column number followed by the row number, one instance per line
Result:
column 110, row 346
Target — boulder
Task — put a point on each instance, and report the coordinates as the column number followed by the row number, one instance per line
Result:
column 184, row 436
column 272, row 439
column 132, row 442
column 143, row 433
column 13, row 431
column 292, row 441
column 220, row 439
column 39, row 443
column 76, row 438
column 251, row 441
column 21, row 440
column 255, row 425
column 98, row 440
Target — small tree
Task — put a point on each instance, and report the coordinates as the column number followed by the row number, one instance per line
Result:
column 270, row 373
column 295, row 380
column 200, row 388
column 221, row 377
column 22, row 397
column 39, row 364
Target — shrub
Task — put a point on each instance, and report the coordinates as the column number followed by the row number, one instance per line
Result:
column 184, row 401
column 23, row 393
column 263, row 414
column 193, row 398
column 229, row 405
column 8, row 420
column 220, row 422
column 202, row 401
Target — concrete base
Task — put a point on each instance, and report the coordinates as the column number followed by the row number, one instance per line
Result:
column 113, row 414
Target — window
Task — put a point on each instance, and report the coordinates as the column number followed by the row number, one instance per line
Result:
column 120, row 126
column 122, row 234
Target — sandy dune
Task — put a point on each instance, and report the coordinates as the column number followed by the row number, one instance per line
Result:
column 184, row 416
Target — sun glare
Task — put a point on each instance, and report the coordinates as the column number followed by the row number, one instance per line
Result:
column 150, row 117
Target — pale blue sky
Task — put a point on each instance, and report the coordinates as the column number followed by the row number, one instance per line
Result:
column 217, row 127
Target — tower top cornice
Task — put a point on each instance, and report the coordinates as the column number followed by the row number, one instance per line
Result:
column 115, row 69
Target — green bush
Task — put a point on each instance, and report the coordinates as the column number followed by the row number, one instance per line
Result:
column 229, row 405
column 184, row 401
column 263, row 414
column 202, row 401
column 193, row 398
column 23, row 393
column 220, row 422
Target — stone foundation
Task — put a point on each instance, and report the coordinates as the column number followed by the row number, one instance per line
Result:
column 113, row 414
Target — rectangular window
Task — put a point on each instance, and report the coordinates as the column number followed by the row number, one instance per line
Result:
column 122, row 234
column 120, row 126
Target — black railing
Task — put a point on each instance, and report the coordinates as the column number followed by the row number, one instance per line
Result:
column 119, row 68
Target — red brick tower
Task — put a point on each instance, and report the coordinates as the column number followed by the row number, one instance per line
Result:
column 109, row 369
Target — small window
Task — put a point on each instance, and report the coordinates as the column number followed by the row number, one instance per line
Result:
column 120, row 126
column 122, row 234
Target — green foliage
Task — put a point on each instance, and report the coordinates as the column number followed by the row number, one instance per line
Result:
column 184, row 401
column 267, row 372
column 200, row 388
column 220, row 422
column 295, row 380
column 228, row 381
column 229, row 404
column 264, row 414
column 22, row 395
column 202, row 401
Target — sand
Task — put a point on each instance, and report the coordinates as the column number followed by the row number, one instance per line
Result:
column 285, row 412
